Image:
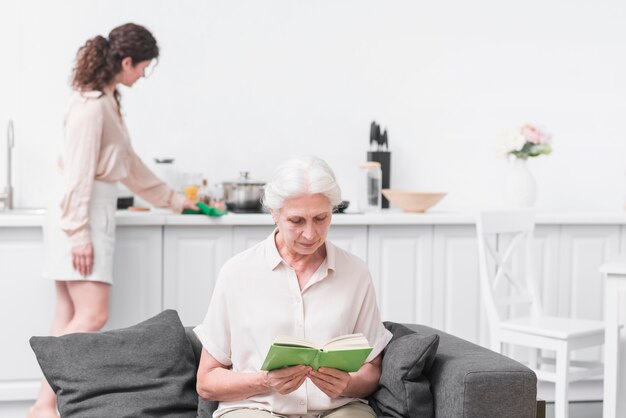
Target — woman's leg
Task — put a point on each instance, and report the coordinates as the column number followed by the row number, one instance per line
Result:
column 352, row 410
column 82, row 306
column 46, row 403
column 63, row 310
column 91, row 306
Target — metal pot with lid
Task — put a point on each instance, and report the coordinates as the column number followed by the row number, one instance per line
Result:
column 243, row 195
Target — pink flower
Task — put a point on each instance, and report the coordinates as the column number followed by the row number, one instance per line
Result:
column 531, row 133
column 535, row 135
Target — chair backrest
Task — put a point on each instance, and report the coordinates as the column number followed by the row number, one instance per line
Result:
column 504, row 239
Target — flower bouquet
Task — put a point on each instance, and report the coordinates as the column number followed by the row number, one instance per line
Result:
column 526, row 141
column 520, row 189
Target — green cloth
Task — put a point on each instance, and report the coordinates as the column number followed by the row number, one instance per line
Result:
column 205, row 210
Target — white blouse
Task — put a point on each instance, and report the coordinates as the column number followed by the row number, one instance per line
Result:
column 257, row 297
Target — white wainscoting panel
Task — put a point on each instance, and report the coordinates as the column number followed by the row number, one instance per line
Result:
column 583, row 249
column 192, row 260
column 456, row 288
column 245, row 237
column 400, row 261
column 26, row 306
column 350, row 238
column 546, row 262
column 137, row 292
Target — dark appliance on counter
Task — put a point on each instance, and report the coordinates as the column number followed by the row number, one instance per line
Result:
column 379, row 152
column 124, row 202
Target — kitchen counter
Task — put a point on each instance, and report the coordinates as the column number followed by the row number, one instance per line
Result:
column 35, row 217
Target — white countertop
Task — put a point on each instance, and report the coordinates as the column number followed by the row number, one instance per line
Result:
column 35, row 217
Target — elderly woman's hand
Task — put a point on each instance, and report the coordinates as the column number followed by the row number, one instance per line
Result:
column 330, row 381
column 286, row 380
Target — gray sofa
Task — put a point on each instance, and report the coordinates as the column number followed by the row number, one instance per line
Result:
column 149, row 370
column 466, row 381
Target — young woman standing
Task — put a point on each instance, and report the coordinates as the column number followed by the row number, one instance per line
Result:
column 79, row 233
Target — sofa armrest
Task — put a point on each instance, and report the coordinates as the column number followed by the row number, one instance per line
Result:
column 468, row 380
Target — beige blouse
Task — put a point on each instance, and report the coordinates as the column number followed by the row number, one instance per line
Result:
column 97, row 147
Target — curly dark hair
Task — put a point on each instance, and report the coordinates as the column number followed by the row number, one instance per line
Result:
column 100, row 59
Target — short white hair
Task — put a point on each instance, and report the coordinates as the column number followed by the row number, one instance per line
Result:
column 299, row 176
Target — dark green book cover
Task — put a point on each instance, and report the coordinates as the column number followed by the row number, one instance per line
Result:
column 346, row 359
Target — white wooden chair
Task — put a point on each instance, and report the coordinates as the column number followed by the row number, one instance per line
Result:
column 502, row 235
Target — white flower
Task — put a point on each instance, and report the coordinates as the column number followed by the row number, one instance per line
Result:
column 511, row 140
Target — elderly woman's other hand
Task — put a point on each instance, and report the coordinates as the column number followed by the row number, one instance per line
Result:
column 332, row 382
column 286, row 380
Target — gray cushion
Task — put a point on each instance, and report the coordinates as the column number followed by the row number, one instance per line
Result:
column 404, row 390
column 144, row 370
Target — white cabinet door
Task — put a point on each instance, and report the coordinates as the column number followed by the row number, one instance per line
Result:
column 136, row 294
column 546, row 262
column 245, row 237
column 583, row 250
column 456, row 303
column 27, row 300
column 350, row 238
column 193, row 257
column 26, row 309
column 400, row 260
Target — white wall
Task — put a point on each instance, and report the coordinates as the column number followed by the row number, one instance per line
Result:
column 245, row 84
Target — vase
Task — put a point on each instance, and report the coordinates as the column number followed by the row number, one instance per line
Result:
column 520, row 188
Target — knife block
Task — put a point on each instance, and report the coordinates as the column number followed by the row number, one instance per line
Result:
column 384, row 158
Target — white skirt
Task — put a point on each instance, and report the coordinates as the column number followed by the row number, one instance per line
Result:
column 57, row 246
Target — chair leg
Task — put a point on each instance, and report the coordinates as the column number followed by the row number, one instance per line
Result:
column 541, row 409
column 561, row 405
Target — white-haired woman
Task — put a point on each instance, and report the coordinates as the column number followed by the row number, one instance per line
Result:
column 296, row 283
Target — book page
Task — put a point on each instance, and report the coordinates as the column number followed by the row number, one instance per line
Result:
column 293, row 341
column 346, row 342
column 341, row 342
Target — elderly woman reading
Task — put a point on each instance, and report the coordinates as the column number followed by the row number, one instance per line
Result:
column 294, row 283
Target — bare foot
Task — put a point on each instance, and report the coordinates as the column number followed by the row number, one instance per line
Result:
column 42, row 412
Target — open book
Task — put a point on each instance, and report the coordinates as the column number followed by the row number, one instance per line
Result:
column 346, row 352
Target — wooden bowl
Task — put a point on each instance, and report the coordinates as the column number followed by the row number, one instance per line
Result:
column 411, row 201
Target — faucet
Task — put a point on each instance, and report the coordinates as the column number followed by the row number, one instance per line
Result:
column 7, row 195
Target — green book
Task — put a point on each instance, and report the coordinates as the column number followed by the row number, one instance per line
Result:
column 346, row 352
